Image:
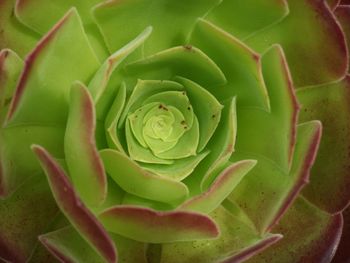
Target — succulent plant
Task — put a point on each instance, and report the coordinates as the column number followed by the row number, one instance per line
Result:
column 167, row 131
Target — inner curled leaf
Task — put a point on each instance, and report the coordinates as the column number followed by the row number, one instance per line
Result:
column 163, row 129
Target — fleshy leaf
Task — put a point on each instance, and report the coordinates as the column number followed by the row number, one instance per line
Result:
column 10, row 67
column 243, row 18
column 47, row 75
column 270, row 189
column 148, row 225
column 84, row 164
column 206, row 108
column 172, row 21
column 23, row 216
column 186, row 61
column 324, row 45
column 100, row 80
column 15, row 35
column 133, row 179
column 236, row 243
column 139, row 153
column 223, row 185
column 130, row 251
column 179, row 169
column 279, row 123
column 73, row 208
column 16, row 158
column 220, row 146
column 112, row 119
column 144, row 89
column 68, row 246
column 310, row 235
column 41, row 16
column 239, row 63
column 330, row 174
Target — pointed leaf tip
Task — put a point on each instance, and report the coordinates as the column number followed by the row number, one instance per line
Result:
column 73, row 208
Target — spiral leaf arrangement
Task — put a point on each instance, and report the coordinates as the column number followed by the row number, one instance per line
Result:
column 163, row 131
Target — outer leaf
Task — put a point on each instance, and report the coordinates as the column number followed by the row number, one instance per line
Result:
column 13, row 34
column 72, row 207
column 343, row 254
column 99, row 82
column 236, row 243
column 147, row 225
column 17, row 160
column 84, row 164
column 130, row 251
column 238, row 62
column 280, row 123
column 223, row 185
column 68, row 246
column 310, row 235
column 133, row 179
column 268, row 188
column 186, row 61
column 172, row 21
column 20, row 224
column 41, row 16
column 221, row 147
column 323, row 44
column 243, row 18
column 47, row 75
column 330, row 174
column 343, row 14
column 10, row 67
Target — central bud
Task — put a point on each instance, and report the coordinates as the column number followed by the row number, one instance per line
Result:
column 167, row 126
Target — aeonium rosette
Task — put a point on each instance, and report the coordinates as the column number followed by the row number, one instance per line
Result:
column 168, row 149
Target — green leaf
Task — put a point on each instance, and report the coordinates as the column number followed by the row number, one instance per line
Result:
column 186, row 61
column 240, row 64
column 10, row 68
column 279, row 123
column 220, row 146
column 172, row 21
column 14, row 35
column 133, row 179
column 47, row 75
column 243, row 18
column 206, row 108
column 72, row 207
column 324, row 45
column 144, row 89
column 41, row 15
column 236, row 243
column 270, row 189
column 179, row 169
column 139, row 153
column 100, row 80
column 329, row 103
column 112, row 119
column 223, row 185
column 84, row 164
column 16, row 158
column 147, row 225
column 68, row 246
